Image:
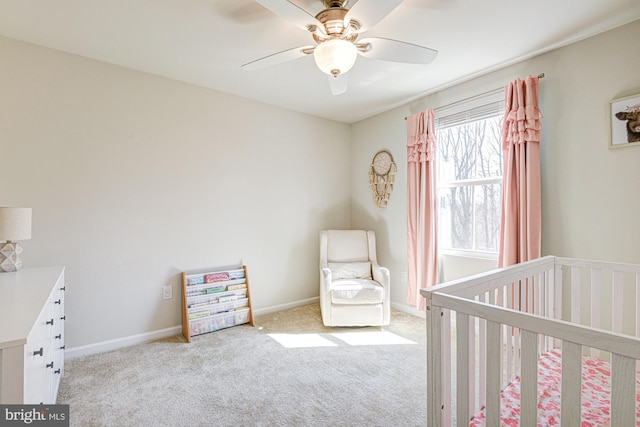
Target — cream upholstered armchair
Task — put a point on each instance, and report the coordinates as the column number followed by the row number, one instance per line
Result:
column 354, row 289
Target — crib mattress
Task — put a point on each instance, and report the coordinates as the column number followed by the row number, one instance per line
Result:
column 596, row 394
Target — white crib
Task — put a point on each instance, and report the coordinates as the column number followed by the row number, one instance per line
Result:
column 487, row 334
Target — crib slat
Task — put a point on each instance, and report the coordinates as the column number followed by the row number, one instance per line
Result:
column 472, row 366
column 623, row 391
column 531, row 282
column 529, row 378
column 434, row 355
column 557, row 292
column 538, row 300
column 556, row 298
column 538, row 306
column 617, row 301
column 508, row 337
column 445, row 365
column 494, row 353
column 544, row 307
column 571, row 384
column 550, row 296
column 575, row 294
column 500, row 303
column 596, row 284
column 542, row 302
column 516, row 331
column 482, row 372
column 462, row 367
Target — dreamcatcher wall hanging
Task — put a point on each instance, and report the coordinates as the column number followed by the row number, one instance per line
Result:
column 381, row 175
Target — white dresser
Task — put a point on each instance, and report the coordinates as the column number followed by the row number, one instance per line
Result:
column 31, row 335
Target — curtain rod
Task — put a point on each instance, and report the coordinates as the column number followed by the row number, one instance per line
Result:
column 540, row 76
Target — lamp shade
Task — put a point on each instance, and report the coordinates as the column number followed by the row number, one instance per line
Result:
column 15, row 223
column 335, row 56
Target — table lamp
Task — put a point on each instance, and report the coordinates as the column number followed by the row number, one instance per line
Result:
column 15, row 224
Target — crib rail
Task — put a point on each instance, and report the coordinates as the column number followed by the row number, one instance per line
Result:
column 506, row 318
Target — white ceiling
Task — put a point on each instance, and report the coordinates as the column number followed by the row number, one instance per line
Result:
column 204, row 42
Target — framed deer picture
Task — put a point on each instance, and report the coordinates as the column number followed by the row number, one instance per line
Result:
column 625, row 122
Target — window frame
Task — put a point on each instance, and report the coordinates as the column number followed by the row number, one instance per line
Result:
column 468, row 110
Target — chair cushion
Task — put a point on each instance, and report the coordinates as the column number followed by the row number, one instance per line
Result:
column 350, row 270
column 356, row 291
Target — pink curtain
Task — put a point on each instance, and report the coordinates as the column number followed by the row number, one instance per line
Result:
column 520, row 231
column 421, row 206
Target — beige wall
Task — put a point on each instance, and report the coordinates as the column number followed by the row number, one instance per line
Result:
column 133, row 178
column 590, row 193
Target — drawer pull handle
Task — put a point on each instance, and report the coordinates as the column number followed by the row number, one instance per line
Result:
column 57, row 302
column 64, row 317
column 50, row 365
column 58, row 337
column 50, row 322
column 57, row 371
column 39, row 352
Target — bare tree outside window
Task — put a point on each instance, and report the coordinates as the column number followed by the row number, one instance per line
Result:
column 470, row 185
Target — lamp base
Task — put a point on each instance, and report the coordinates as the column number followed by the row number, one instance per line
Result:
column 10, row 256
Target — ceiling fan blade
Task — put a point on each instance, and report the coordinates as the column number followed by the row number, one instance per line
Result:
column 396, row 51
column 339, row 84
column 278, row 58
column 291, row 12
column 368, row 13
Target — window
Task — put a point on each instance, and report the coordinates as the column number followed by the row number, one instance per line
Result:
column 469, row 167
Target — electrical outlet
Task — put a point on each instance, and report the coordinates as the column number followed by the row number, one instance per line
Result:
column 403, row 277
column 167, row 292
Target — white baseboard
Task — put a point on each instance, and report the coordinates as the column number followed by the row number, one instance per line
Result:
column 286, row 306
column 409, row 309
column 117, row 343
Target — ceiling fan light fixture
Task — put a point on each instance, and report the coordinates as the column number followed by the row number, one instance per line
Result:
column 335, row 56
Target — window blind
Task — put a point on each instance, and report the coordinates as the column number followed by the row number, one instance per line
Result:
column 470, row 110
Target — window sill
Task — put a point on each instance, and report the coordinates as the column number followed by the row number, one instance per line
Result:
column 469, row 254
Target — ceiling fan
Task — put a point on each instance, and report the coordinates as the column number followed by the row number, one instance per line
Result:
column 336, row 30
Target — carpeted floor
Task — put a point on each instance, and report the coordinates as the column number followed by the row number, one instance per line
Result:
column 288, row 370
